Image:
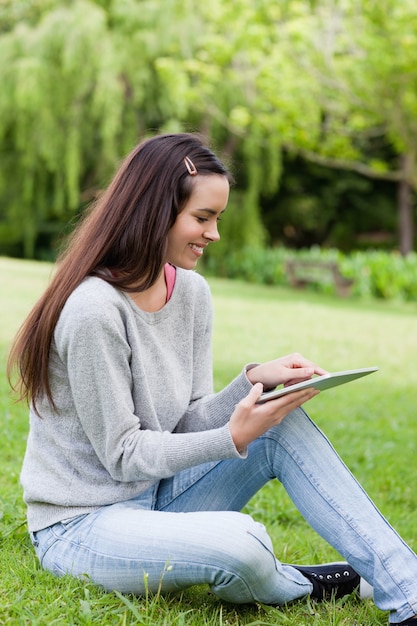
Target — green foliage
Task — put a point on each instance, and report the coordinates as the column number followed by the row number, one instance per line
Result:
column 381, row 275
column 82, row 81
column 250, row 264
column 59, row 118
column 367, row 92
column 13, row 12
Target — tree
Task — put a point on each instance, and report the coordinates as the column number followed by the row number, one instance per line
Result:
column 60, row 110
column 320, row 80
column 364, row 62
column 82, row 81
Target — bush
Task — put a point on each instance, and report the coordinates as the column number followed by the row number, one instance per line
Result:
column 385, row 275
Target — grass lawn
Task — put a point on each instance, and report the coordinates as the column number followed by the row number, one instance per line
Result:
column 371, row 423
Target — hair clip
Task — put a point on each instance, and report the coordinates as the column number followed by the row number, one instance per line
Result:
column 191, row 168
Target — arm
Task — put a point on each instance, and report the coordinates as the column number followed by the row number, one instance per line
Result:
column 251, row 420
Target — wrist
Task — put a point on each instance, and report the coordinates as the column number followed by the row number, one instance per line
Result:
column 254, row 375
column 240, row 447
column 251, row 373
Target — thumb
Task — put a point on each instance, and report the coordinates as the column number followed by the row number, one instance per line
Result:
column 256, row 391
column 253, row 396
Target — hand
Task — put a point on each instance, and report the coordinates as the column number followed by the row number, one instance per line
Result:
column 287, row 370
column 250, row 420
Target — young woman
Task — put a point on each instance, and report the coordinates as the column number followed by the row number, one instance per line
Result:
column 135, row 471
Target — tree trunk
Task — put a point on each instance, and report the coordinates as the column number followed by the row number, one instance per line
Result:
column 405, row 209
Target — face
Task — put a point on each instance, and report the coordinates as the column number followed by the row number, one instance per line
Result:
column 196, row 225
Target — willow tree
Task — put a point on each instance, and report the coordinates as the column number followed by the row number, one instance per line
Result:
column 61, row 107
column 242, row 52
column 82, row 81
column 79, row 87
column 201, row 64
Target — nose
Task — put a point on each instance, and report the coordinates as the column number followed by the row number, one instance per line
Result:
column 212, row 233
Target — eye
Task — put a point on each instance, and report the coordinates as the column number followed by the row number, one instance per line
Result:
column 201, row 219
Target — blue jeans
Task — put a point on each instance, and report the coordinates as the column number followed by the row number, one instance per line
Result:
column 188, row 530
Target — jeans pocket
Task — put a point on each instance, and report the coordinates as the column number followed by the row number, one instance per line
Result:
column 44, row 541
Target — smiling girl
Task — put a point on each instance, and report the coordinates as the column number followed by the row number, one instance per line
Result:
column 135, row 471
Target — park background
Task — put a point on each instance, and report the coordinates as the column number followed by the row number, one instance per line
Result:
column 313, row 104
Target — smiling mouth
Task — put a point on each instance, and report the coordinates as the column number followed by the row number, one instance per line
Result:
column 197, row 249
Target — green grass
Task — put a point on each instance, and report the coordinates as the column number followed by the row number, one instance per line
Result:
column 372, row 424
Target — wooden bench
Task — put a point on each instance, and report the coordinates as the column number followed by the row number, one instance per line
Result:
column 301, row 273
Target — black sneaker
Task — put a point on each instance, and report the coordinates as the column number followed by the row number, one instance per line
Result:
column 334, row 580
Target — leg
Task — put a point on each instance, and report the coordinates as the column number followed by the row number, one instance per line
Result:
column 335, row 505
column 326, row 494
column 321, row 487
column 133, row 550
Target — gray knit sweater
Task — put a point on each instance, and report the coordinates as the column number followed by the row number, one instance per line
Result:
column 135, row 400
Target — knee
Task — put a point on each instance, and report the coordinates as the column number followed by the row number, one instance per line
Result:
column 245, row 566
column 247, row 548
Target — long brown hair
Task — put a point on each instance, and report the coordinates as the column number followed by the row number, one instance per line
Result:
column 125, row 231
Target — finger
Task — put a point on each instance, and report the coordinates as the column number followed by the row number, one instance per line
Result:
column 253, row 395
column 295, row 399
column 303, row 396
column 298, row 376
column 299, row 362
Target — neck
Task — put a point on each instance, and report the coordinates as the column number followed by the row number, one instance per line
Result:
column 152, row 299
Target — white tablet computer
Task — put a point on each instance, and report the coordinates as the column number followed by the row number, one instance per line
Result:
column 332, row 379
